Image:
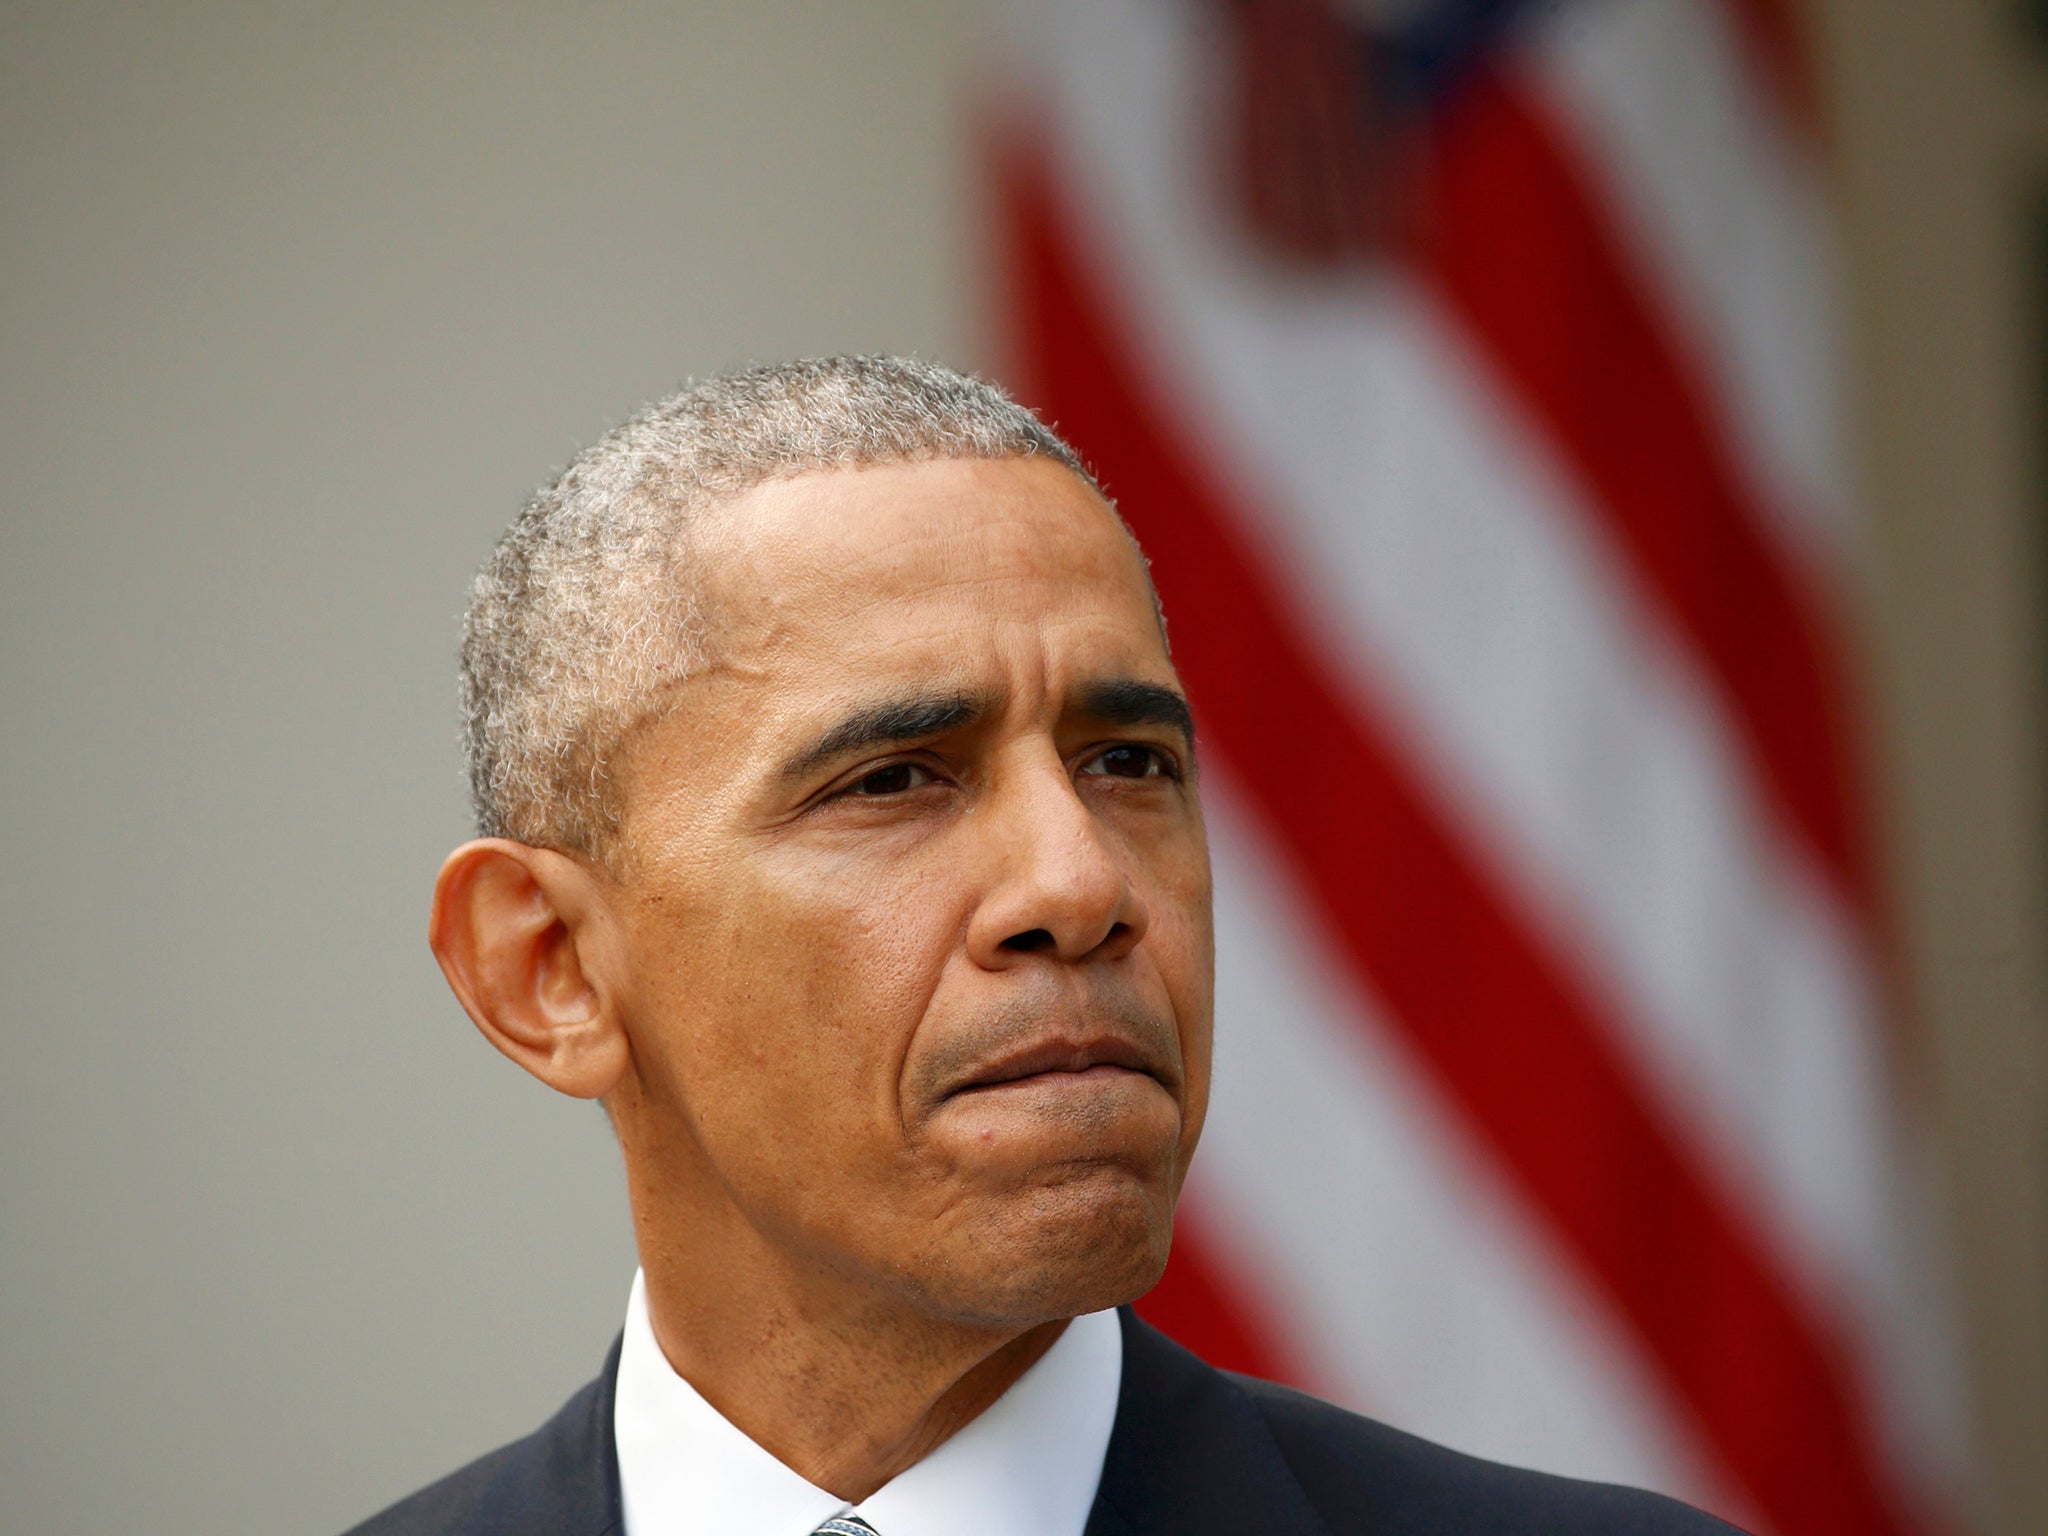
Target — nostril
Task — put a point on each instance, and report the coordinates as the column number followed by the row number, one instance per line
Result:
column 1032, row 939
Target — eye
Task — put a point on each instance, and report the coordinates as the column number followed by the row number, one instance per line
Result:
column 1129, row 760
column 889, row 779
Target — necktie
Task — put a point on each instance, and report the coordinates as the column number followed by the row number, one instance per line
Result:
column 845, row 1525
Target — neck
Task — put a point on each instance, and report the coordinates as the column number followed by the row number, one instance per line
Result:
column 838, row 1389
column 842, row 1376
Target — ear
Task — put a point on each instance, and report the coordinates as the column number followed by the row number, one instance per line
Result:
column 522, row 935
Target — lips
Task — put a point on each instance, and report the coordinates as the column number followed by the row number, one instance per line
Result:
column 1064, row 1056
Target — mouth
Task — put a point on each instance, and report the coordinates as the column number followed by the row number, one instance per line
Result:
column 1059, row 1062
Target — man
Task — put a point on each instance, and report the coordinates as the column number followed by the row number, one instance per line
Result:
column 841, row 835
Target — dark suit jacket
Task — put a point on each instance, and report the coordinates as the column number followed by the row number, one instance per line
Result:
column 1195, row 1452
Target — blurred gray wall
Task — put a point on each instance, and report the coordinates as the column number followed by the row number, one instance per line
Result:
column 296, row 303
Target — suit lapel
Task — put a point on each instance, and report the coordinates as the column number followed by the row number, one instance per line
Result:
column 1190, row 1453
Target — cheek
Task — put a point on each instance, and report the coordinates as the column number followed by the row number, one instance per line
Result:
column 793, row 999
column 1183, row 950
column 1173, row 869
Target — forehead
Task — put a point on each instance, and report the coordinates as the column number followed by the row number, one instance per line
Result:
column 878, row 566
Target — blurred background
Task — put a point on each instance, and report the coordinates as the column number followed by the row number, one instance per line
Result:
column 1590, row 453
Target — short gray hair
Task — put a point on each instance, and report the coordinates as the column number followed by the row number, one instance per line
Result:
column 587, row 611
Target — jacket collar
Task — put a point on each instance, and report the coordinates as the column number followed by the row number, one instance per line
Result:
column 1191, row 1452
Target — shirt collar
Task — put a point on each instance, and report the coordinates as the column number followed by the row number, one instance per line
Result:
column 1027, row 1466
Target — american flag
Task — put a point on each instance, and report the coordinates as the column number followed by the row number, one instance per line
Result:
column 1465, row 369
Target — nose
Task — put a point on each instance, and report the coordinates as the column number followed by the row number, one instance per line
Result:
column 1060, row 890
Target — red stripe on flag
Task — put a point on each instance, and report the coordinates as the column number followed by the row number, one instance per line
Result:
column 1199, row 1303
column 1516, row 242
column 1511, row 1037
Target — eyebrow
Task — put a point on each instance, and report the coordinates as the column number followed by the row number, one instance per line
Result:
column 887, row 724
column 896, row 722
column 1125, row 702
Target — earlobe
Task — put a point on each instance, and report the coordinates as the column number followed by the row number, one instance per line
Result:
column 519, row 933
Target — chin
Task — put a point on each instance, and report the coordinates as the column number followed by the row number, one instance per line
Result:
column 1094, row 1239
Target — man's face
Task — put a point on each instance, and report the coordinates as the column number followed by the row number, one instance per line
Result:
column 915, row 897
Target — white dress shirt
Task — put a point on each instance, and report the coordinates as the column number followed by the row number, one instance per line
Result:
column 1027, row 1466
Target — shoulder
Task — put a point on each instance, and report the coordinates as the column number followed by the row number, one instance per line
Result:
column 444, row 1506
column 1196, row 1449
column 561, row 1480
column 1360, row 1475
